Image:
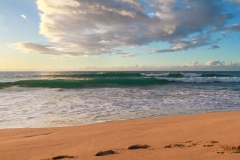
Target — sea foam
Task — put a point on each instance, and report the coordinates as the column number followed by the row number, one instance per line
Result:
column 204, row 79
column 26, row 107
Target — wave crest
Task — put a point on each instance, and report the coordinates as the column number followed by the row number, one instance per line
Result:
column 204, row 79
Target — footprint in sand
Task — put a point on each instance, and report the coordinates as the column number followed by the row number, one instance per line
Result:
column 104, row 153
column 174, row 145
column 227, row 149
column 138, row 146
column 233, row 149
column 191, row 144
column 62, row 157
column 132, row 147
column 213, row 142
column 208, row 145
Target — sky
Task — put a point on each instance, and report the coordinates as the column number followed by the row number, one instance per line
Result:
column 129, row 35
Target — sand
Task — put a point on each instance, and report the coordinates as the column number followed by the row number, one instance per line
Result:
column 207, row 136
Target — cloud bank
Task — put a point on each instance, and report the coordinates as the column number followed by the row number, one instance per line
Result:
column 94, row 27
column 213, row 65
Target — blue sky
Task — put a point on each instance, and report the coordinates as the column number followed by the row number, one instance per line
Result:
column 120, row 35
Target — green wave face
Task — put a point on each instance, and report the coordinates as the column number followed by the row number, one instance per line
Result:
column 112, row 79
column 59, row 83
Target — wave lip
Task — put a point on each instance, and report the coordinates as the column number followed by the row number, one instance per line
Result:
column 155, row 74
column 177, row 75
column 203, row 79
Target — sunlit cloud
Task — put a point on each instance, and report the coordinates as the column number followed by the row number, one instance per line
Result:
column 95, row 27
column 39, row 49
column 124, row 55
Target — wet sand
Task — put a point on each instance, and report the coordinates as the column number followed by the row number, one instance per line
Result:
column 207, row 136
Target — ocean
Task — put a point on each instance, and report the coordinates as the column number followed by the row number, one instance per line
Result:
column 54, row 99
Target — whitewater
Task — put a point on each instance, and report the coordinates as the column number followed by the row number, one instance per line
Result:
column 53, row 99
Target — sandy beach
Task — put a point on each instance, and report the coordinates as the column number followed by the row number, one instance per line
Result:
column 202, row 136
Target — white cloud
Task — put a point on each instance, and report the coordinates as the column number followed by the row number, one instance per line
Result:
column 193, row 42
column 1, row 16
column 211, row 65
column 23, row 16
column 217, row 63
column 96, row 27
column 39, row 49
column 192, row 64
column 214, row 63
column 124, row 55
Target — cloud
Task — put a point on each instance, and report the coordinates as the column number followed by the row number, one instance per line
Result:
column 95, row 27
column 39, row 49
column 214, row 63
column 226, row 29
column 192, row 64
column 217, row 63
column 23, row 16
column 61, row 57
column 211, row 65
column 193, row 42
column 124, row 55
column 214, row 47
column 1, row 16
column 232, row 28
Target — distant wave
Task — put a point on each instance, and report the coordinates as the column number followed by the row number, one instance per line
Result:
column 88, row 83
column 24, row 76
column 114, row 82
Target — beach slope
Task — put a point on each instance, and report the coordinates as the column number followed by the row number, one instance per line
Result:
column 202, row 136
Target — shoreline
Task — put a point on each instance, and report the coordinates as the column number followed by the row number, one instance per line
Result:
column 154, row 117
column 190, row 136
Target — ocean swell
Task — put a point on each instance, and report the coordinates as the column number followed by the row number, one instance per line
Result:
column 114, row 82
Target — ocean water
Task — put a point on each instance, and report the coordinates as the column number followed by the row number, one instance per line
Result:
column 53, row 99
